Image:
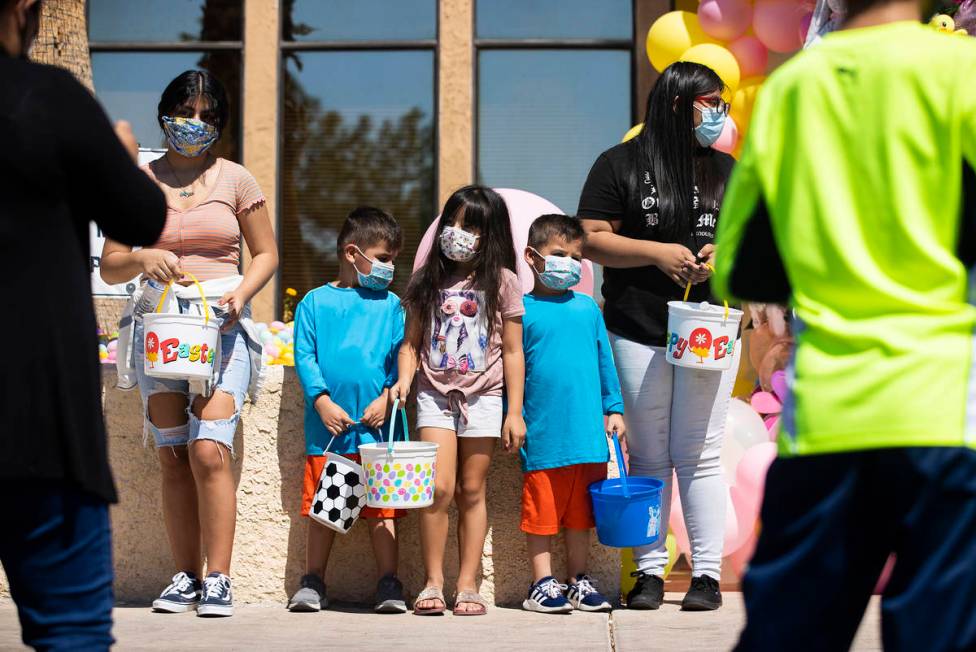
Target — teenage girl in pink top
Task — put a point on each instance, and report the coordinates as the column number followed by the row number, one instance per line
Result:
column 212, row 205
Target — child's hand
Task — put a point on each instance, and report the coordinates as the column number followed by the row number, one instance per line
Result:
column 615, row 424
column 374, row 415
column 400, row 390
column 334, row 417
column 513, row 433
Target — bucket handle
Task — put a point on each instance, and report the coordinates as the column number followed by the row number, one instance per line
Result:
column 621, row 464
column 203, row 297
column 393, row 416
column 688, row 291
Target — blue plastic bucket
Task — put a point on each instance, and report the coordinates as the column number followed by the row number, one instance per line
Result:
column 627, row 510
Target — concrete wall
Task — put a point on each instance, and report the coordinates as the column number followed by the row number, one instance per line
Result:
column 269, row 552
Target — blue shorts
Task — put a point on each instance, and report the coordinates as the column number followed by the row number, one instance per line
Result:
column 233, row 378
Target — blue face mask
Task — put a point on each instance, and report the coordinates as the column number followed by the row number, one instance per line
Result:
column 560, row 273
column 380, row 274
column 712, row 123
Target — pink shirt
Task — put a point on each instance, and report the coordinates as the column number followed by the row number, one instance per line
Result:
column 458, row 354
column 207, row 237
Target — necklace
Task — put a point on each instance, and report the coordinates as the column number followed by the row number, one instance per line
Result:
column 186, row 190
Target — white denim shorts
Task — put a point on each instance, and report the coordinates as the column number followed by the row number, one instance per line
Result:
column 434, row 410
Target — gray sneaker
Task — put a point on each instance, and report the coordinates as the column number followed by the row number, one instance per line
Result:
column 389, row 596
column 311, row 596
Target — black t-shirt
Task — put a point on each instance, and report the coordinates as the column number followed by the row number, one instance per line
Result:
column 619, row 187
column 61, row 166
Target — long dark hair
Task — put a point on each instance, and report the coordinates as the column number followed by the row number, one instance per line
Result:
column 485, row 210
column 667, row 146
column 181, row 94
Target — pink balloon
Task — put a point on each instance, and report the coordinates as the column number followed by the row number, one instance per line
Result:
column 750, row 476
column 777, row 24
column 739, row 559
column 741, row 514
column 805, row 26
column 885, row 575
column 724, row 19
column 766, row 403
column 780, row 385
column 677, row 521
column 772, row 425
column 729, row 137
column 751, row 54
column 523, row 208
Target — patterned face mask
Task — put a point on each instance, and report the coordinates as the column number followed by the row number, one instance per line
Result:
column 188, row 136
column 458, row 245
column 560, row 272
column 380, row 274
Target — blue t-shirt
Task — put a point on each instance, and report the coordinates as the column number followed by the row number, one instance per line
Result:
column 346, row 345
column 570, row 382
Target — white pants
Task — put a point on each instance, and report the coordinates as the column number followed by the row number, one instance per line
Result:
column 676, row 421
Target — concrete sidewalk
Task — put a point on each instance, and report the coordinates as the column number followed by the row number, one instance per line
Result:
column 271, row 628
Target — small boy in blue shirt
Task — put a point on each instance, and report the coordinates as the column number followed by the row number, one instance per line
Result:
column 347, row 337
column 570, row 386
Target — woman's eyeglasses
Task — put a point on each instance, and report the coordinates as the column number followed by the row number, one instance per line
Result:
column 714, row 103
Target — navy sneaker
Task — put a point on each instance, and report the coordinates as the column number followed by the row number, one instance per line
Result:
column 584, row 596
column 182, row 595
column 546, row 596
column 217, row 598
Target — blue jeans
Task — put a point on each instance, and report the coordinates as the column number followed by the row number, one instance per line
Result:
column 829, row 523
column 233, row 377
column 56, row 549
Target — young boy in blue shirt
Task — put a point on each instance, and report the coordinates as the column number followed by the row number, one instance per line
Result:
column 347, row 337
column 570, row 385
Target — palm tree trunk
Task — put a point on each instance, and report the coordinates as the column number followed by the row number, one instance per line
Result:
column 63, row 39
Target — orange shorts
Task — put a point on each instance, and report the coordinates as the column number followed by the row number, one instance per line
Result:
column 313, row 470
column 559, row 498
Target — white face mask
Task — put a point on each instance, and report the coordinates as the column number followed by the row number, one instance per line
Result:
column 458, row 244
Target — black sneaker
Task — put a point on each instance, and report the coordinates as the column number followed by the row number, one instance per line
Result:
column 704, row 595
column 310, row 595
column 182, row 595
column 389, row 596
column 648, row 592
column 217, row 598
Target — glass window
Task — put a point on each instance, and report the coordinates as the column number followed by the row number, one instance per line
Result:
column 163, row 21
column 555, row 19
column 129, row 85
column 545, row 115
column 357, row 129
column 360, row 20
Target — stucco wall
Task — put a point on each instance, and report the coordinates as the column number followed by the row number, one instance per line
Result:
column 269, row 552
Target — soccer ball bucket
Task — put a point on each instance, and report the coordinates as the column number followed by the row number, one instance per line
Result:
column 399, row 474
column 340, row 495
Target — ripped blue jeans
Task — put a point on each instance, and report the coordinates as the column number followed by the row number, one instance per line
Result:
column 233, row 378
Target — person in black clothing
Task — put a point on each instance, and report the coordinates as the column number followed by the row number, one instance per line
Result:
column 61, row 166
column 650, row 207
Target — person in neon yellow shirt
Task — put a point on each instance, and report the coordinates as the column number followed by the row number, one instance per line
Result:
column 855, row 200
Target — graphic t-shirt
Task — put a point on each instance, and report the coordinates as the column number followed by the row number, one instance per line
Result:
column 570, row 382
column 458, row 352
column 346, row 345
column 619, row 187
column 855, row 199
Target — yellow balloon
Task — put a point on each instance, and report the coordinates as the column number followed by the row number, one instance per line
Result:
column 632, row 132
column 671, row 35
column 743, row 101
column 671, row 545
column 718, row 59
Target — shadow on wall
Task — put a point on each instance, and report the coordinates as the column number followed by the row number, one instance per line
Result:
column 269, row 552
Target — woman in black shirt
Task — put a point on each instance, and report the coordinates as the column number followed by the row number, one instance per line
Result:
column 650, row 207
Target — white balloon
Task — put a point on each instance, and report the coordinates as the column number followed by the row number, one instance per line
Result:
column 745, row 425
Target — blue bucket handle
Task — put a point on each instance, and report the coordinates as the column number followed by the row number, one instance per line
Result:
column 621, row 464
column 406, row 430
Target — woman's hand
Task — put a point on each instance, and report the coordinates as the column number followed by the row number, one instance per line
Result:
column 701, row 272
column 513, row 433
column 159, row 265
column 676, row 261
column 234, row 303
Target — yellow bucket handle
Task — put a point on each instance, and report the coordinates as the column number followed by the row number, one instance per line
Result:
column 203, row 297
column 688, row 291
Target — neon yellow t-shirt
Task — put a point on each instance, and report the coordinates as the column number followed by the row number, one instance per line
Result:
column 859, row 167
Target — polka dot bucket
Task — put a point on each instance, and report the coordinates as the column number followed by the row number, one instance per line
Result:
column 399, row 474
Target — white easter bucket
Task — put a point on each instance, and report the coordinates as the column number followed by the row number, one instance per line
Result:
column 340, row 493
column 178, row 346
column 701, row 336
column 399, row 474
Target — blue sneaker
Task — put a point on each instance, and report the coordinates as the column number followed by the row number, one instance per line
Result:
column 546, row 596
column 584, row 596
column 217, row 598
column 182, row 595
